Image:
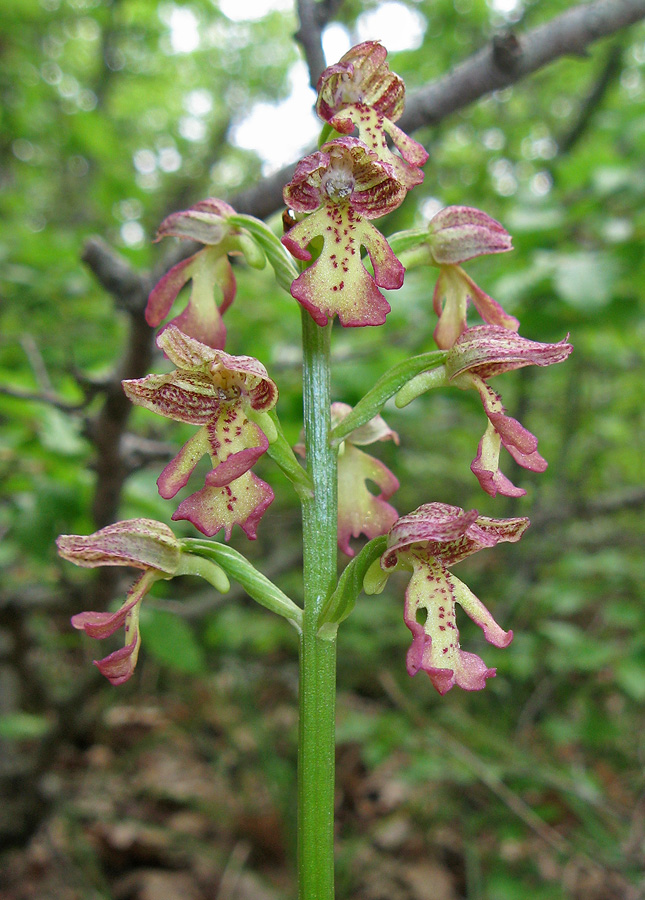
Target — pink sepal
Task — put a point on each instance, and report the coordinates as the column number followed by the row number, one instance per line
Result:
column 460, row 233
column 119, row 666
column 165, row 292
column 103, row 624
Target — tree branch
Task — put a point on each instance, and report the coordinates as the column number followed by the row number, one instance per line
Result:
column 309, row 36
column 510, row 58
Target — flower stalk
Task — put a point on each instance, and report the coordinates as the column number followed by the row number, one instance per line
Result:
column 317, row 652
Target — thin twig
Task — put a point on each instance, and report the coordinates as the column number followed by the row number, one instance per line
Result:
column 510, row 58
column 610, row 71
column 309, row 36
column 51, row 399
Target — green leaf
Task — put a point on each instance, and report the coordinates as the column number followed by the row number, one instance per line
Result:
column 389, row 384
column 171, row 641
column 22, row 726
column 61, row 433
column 257, row 585
column 349, row 586
column 630, row 674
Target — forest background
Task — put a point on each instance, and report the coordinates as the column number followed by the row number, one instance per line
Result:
column 181, row 783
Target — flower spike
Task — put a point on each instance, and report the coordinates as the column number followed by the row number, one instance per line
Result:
column 343, row 186
column 429, row 541
column 360, row 92
column 213, row 283
column 216, row 391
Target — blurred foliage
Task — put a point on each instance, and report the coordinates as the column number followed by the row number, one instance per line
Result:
column 116, row 112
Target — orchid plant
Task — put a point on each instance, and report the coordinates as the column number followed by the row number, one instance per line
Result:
column 335, row 196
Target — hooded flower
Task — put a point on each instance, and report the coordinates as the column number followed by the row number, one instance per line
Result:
column 478, row 354
column 360, row 511
column 428, row 542
column 143, row 544
column 213, row 282
column 218, row 392
column 455, row 235
column 361, row 92
column 343, row 186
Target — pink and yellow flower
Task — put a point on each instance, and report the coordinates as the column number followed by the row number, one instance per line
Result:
column 218, row 392
column 455, row 235
column 343, row 186
column 479, row 354
column 360, row 92
column 428, row 542
column 143, row 544
column 359, row 510
column 209, row 271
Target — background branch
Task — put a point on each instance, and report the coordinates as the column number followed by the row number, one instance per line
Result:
column 309, row 36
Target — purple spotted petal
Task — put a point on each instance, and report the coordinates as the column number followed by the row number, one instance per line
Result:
column 489, row 350
column 432, row 593
column 179, row 395
column 205, row 222
column 338, row 283
column 243, row 502
column 448, row 533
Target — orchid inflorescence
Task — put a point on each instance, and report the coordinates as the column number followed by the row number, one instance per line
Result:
column 335, row 196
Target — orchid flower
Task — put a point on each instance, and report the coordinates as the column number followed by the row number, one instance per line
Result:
column 213, row 282
column 143, row 544
column 343, row 186
column 429, row 541
column 478, row 354
column 360, row 511
column 481, row 353
column 361, row 92
column 453, row 236
column 219, row 393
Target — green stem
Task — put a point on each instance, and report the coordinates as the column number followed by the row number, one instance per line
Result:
column 317, row 654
